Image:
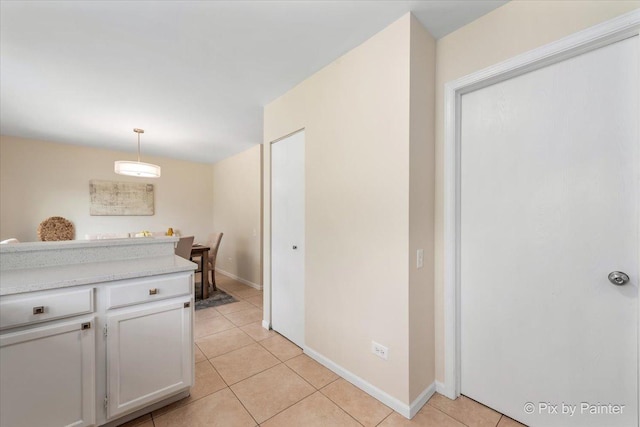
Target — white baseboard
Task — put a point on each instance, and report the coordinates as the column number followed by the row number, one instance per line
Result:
column 445, row 391
column 240, row 279
column 420, row 401
column 408, row 411
column 266, row 324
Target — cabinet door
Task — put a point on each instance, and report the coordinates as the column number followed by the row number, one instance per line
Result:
column 47, row 375
column 149, row 354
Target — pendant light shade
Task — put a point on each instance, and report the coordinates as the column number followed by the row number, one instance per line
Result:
column 137, row 168
column 131, row 168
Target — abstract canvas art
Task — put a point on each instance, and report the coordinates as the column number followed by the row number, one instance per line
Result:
column 121, row 198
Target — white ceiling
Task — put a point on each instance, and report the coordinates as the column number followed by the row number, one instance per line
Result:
column 194, row 74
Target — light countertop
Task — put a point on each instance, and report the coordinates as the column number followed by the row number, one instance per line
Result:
column 52, row 277
column 36, row 266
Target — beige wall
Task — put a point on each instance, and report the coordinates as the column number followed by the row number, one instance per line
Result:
column 514, row 28
column 41, row 179
column 356, row 115
column 236, row 212
column 421, row 209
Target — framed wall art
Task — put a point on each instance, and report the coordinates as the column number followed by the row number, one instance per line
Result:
column 121, row 198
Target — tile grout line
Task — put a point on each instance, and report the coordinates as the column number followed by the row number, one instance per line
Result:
column 238, row 326
column 450, row 416
column 281, row 363
column 315, row 390
column 392, row 412
column 293, row 404
column 485, row 406
column 195, row 400
column 253, row 375
column 242, row 403
column 273, row 354
column 301, row 377
column 255, row 342
column 446, row 413
column 203, row 336
column 230, row 351
column 339, row 406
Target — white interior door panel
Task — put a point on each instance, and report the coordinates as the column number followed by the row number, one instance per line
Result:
column 549, row 207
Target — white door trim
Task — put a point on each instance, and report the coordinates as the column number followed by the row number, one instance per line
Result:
column 617, row 29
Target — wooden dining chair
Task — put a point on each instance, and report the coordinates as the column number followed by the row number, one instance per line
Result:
column 183, row 248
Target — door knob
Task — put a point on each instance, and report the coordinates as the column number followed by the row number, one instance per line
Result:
column 618, row 278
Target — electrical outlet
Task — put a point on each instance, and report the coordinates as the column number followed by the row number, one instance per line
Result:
column 420, row 258
column 379, row 350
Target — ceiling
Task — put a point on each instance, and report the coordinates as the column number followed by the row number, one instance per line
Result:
column 194, row 74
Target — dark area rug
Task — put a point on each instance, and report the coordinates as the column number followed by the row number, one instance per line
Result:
column 215, row 299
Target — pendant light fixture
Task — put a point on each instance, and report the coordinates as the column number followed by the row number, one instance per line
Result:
column 139, row 169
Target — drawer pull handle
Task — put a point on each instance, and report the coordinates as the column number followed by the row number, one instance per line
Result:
column 85, row 326
column 153, row 291
column 187, row 304
column 38, row 310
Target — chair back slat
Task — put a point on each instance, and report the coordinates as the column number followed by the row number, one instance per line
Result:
column 183, row 248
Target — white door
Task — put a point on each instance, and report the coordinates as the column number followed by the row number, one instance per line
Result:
column 287, row 237
column 149, row 354
column 549, row 207
column 47, row 376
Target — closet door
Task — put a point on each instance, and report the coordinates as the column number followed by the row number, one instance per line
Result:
column 287, row 237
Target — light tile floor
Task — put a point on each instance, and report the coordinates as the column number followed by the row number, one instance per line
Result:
column 248, row 376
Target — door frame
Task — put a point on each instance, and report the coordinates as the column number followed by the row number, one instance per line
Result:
column 620, row 28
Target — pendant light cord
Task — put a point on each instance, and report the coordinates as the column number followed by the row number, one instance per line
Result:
column 138, row 131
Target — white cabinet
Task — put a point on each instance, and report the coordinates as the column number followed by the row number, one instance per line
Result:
column 47, row 375
column 149, row 353
column 56, row 370
column 93, row 333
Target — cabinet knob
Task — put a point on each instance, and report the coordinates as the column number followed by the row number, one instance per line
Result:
column 153, row 291
column 38, row 310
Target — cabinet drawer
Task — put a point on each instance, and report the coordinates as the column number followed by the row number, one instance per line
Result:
column 146, row 290
column 42, row 307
